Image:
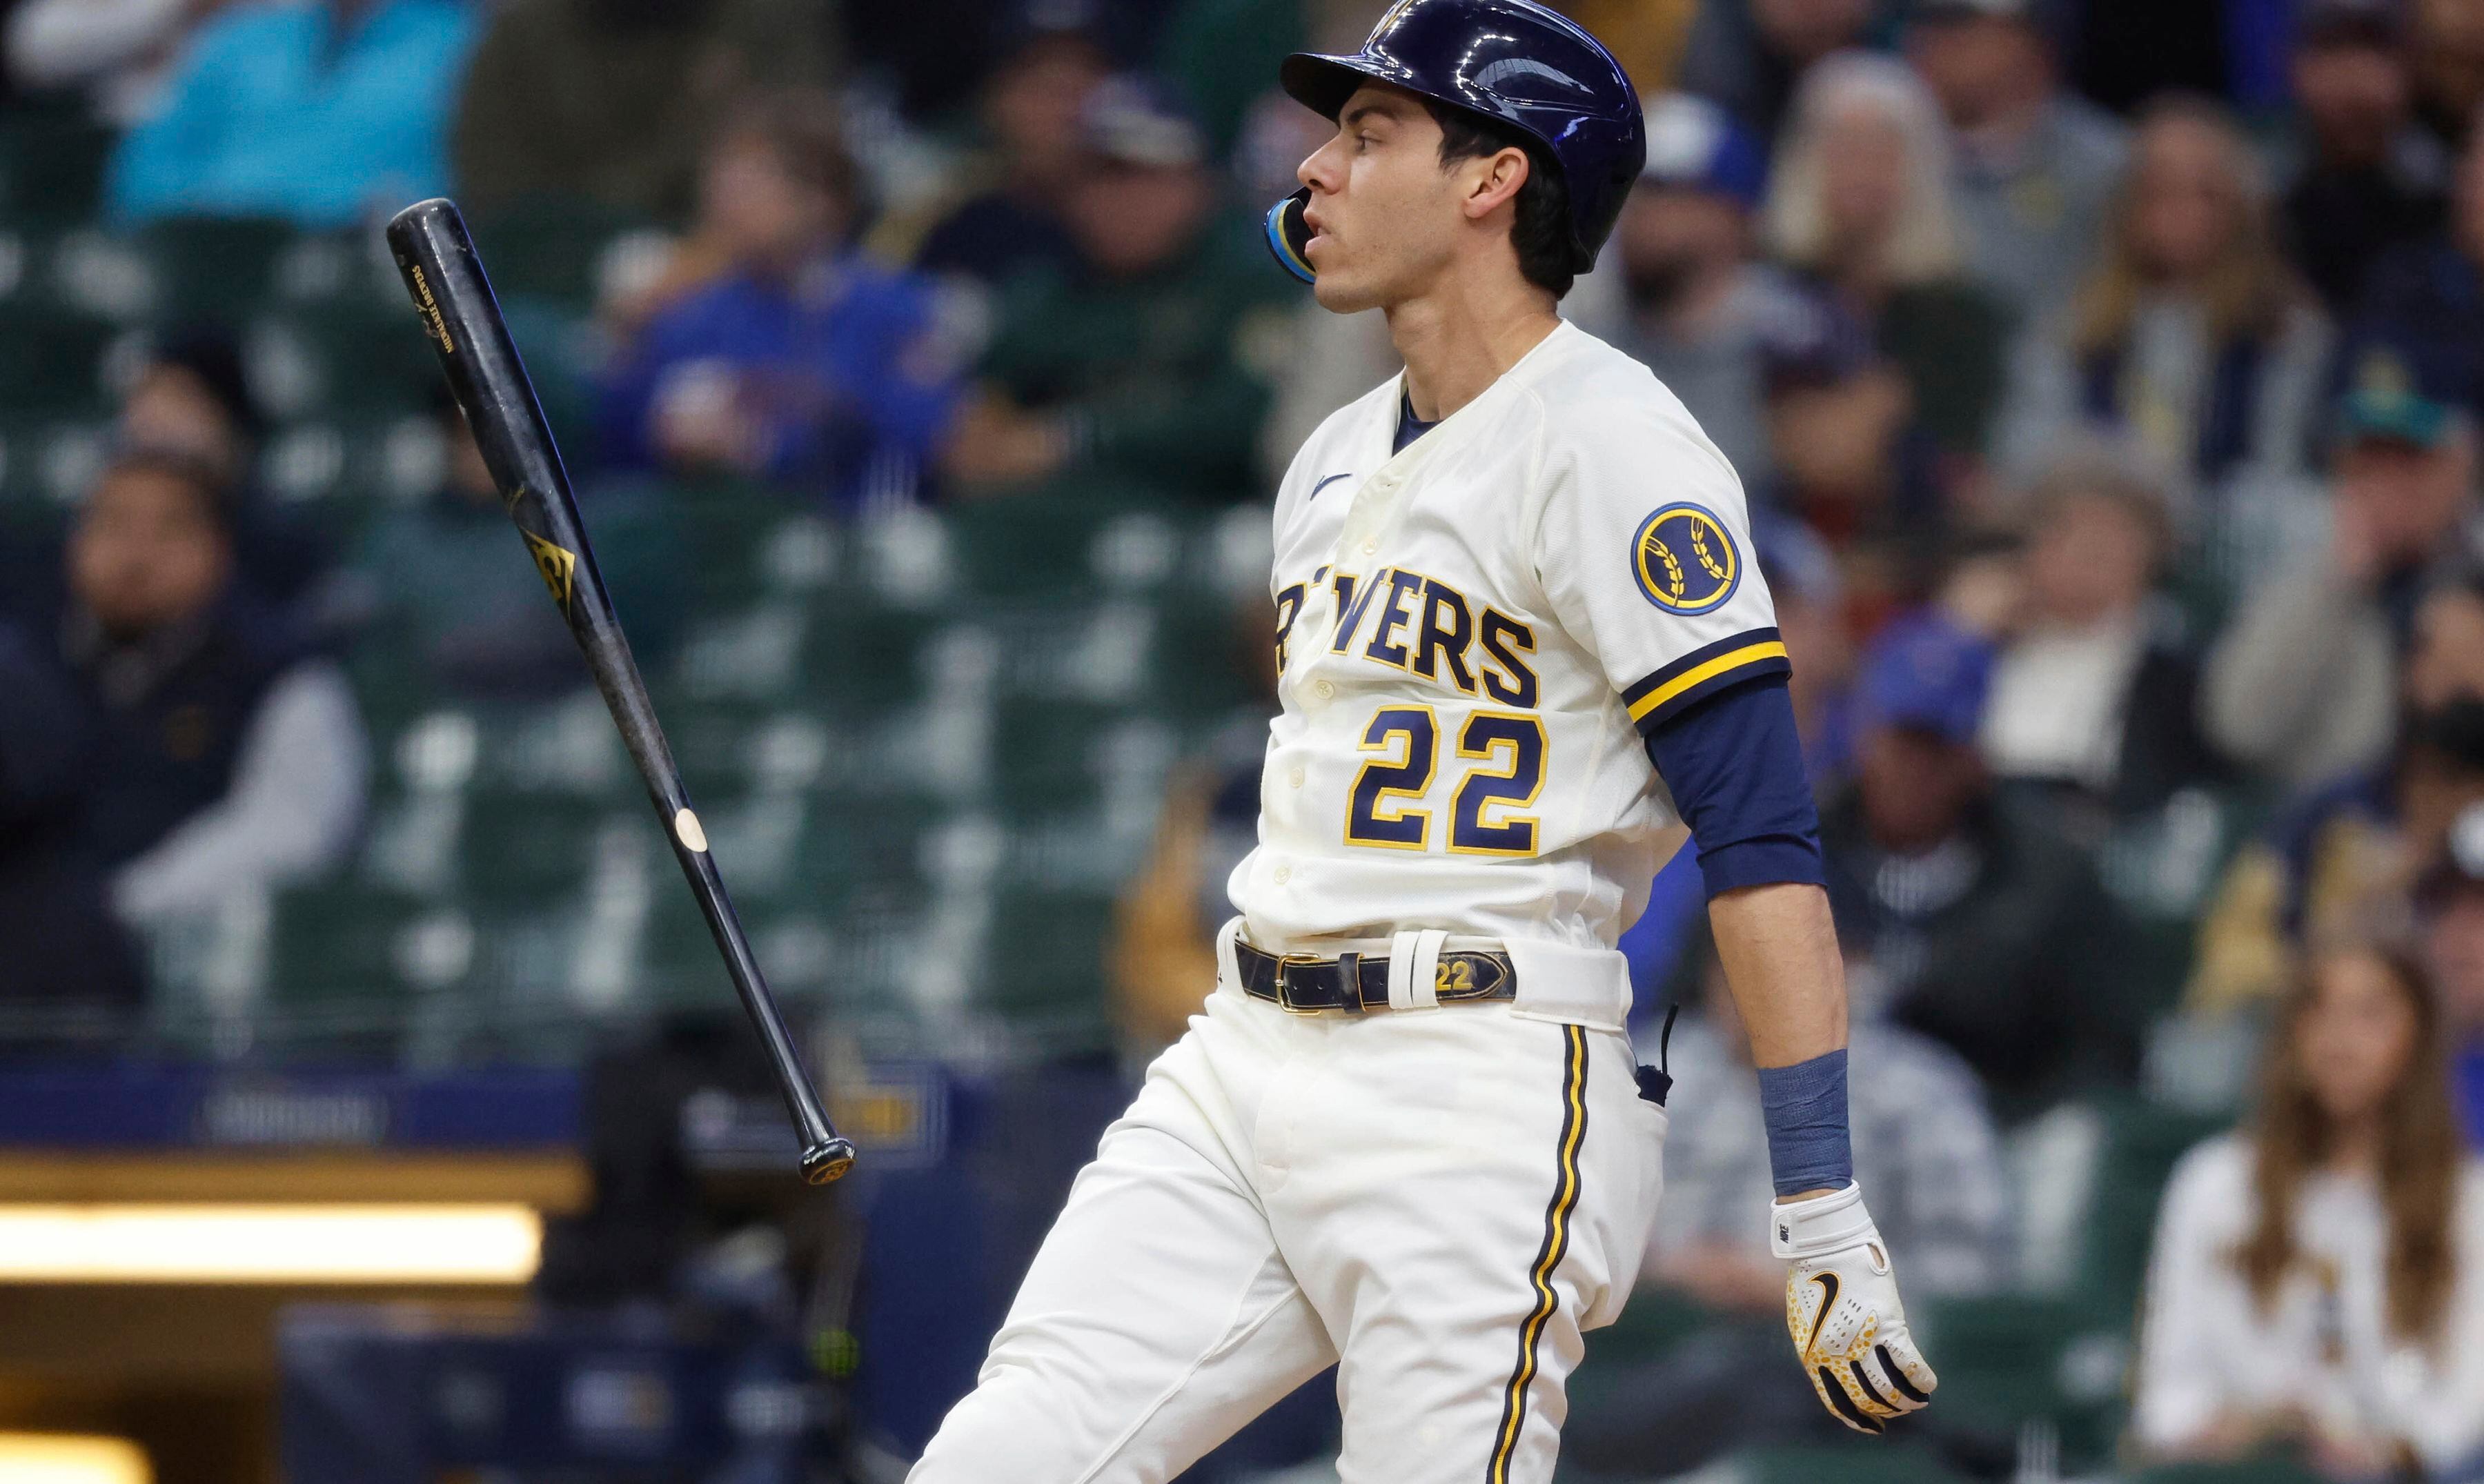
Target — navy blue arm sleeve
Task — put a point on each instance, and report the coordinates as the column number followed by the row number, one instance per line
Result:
column 1733, row 763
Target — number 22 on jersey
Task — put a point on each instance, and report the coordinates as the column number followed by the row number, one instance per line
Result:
column 1502, row 772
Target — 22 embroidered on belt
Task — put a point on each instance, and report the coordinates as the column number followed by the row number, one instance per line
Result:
column 1306, row 984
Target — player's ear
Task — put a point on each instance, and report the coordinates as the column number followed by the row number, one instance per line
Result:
column 1495, row 178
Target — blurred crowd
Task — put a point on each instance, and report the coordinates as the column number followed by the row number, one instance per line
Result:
column 2105, row 377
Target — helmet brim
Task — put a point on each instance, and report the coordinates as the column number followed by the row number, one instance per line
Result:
column 1322, row 83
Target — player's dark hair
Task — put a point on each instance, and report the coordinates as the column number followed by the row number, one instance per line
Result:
column 1541, row 234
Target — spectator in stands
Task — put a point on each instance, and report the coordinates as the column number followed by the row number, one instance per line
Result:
column 2301, row 686
column 123, row 52
column 191, row 396
column 2094, row 694
column 2036, row 165
column 1143, row 368
column 1921, row 1128
column 2192, row 339
column 1859, row 200
column 319, row 111
column 611, row 99
column 1700, row 306
column 2451, row 902
column 224, row 757
column 2341, row 858
column 1751, row 55
column 2423, row 302
column 442, row 592
column 2446, row 43
column 68, row 957
column 806, row 364
column 1010, row 217
column 1969, row 916
column 2367, row 180
column 1222, row 56
column 1844, row 455
column 2317, row 1283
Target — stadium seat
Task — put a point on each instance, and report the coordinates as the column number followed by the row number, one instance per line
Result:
column 548, row 247
column 1044, row 964
column 2259, row 1470
column 213, row 268
column 51, row 166
column 52, row 360
column 1865, row 1460
column 2005, row 1361
column 354, row 967
column 530, row 850
column 2142, row 1141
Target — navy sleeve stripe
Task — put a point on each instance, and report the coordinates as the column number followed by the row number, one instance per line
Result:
column 1702, row 673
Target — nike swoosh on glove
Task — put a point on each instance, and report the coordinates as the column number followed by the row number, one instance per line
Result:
column 1842, row 1310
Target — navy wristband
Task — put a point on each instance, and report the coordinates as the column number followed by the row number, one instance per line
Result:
column 1804, row 1107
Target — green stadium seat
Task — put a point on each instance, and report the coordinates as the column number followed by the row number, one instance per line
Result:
column 47, row 463
column 530, row 851
column 860, row 657
column 548, row 247
column 2006, row 1360
column 1025, row 545
column 353, row 968
column 345, row 365
column 1864, row 1461
column 51, row 167
column 2142, row 1141
column 1046, row 755
column 52, row 360
column 219, row 269
column 1044, row 964
column 2257, row 1471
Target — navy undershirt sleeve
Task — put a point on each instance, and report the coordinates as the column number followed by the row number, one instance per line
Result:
column 1733, row 763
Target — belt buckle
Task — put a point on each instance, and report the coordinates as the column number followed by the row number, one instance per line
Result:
column 1285, row 986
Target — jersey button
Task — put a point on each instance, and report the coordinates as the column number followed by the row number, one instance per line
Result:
column 1282, row 874
column 1326, row 690
column 1370, row 545
column 1295, row 777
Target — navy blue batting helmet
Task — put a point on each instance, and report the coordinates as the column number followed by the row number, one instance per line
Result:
column 1510, row 60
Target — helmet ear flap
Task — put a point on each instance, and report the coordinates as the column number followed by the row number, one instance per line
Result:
column 1289, row 236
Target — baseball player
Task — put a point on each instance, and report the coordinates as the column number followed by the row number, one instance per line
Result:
column 1520, row 642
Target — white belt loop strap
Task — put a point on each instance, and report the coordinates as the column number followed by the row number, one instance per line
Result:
column 1423, row 990
column 1401, row 971
column 1228, row 969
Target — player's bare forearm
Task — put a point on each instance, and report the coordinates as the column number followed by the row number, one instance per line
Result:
column 1779, row 949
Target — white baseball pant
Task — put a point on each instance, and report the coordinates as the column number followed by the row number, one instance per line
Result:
column 1440, row 1198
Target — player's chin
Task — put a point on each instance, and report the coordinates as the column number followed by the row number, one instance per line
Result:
column 1340, row 290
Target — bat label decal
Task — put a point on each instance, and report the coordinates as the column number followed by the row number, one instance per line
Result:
column 555, row 564
column 432, row 318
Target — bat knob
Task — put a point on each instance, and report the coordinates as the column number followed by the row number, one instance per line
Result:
column 827, row 1161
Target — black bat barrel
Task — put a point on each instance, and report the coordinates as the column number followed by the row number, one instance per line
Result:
column 463, row 320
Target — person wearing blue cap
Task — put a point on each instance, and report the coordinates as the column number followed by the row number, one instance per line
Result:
column 1980, row 920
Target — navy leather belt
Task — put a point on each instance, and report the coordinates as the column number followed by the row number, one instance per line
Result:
column 1355, row 983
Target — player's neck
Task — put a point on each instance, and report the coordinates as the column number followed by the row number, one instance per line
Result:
column 1457, row 341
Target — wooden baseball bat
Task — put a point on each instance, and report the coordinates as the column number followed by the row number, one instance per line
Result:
column 463, row 321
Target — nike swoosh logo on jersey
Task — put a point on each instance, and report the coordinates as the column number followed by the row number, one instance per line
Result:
column 1325, row 482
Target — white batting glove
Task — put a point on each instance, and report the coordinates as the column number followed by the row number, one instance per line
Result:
column 1841, row 1308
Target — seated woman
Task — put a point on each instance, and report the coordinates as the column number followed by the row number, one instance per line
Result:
column 2318, row 1278
column 2192, row 339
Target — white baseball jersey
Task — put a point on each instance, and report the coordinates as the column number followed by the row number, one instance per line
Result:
column 1474, row 636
